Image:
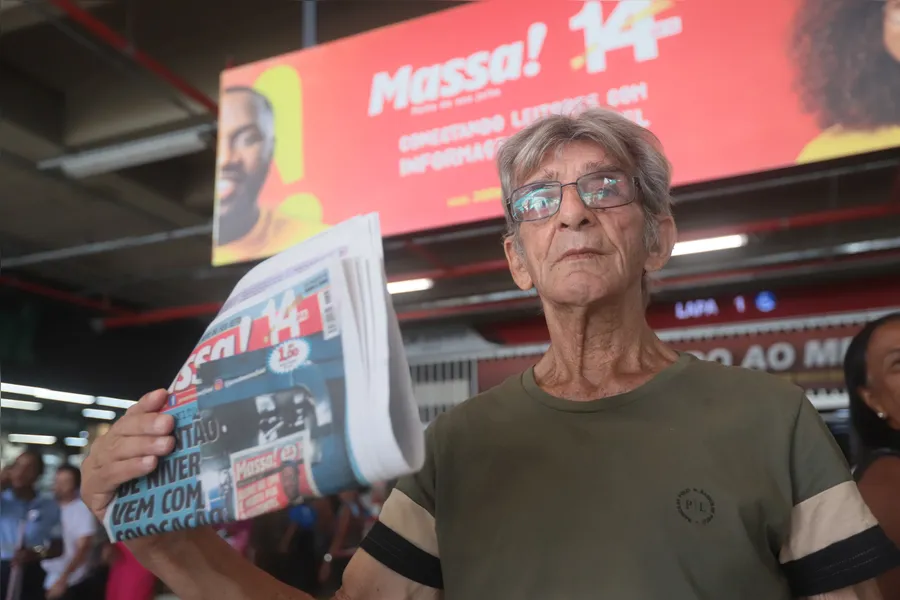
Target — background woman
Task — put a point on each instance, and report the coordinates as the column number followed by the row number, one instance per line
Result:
column 872, row 372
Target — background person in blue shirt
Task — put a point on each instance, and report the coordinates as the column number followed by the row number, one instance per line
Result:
column 20, row 503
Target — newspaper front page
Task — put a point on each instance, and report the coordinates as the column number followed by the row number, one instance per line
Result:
column 298, row 388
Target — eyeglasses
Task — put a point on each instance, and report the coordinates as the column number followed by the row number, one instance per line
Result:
column 599, row 190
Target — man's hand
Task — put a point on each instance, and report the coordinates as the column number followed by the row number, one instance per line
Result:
column 130, row 449
column 197, row 564
column 58, row 589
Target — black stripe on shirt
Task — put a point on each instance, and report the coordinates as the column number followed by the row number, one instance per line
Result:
column 402, row 556
column 843, row 564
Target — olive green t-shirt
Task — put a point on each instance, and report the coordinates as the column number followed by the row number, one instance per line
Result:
column 706, row 482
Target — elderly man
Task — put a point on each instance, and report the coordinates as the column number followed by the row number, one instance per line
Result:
column 615, row 467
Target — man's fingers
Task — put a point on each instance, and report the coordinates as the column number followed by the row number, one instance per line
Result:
column 136, row 446
column 152, row 402
column 131, row 449
column 118, row 472
column 143, row 424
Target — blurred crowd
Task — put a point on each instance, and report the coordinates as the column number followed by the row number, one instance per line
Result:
column 53, row 548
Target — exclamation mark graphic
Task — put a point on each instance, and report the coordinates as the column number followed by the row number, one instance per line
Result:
column 281, row 85
column 284, row 89
column 537, row 33
column 244, row 333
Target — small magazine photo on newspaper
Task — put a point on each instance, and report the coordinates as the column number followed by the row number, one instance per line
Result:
column 299, row 388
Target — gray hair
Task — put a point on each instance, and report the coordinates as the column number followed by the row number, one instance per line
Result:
column 632, row 147
column 265, row 114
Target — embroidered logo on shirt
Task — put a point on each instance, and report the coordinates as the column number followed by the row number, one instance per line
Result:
column 696, row 506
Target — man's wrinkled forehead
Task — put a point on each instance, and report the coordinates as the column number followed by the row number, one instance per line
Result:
column 548, row 173
column 544, row 170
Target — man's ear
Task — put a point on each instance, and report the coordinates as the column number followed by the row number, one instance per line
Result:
column 517, row 267
column 667, row 235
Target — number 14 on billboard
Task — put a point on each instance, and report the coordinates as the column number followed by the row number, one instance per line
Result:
column 631, row 23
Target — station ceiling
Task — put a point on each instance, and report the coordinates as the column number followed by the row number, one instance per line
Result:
column 67, row 87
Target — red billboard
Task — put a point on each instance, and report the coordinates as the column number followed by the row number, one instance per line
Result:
column 406, row 120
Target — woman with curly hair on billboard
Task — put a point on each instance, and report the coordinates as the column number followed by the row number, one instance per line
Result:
column 848, row 59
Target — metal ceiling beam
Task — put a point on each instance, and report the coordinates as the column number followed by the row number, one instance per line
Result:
column 159, row 316
column 128, row 193
column 787, row 223
column 116, row 60
column 801, row 221
column 108, row 246
column 198, row 310
column 427, row 255
column 776, row 265
column 785, row 180
column 16, row 16
column 492, row 303
column 120, row 43
column 793, row 257
column 62, row 296
column 818, row 219
column 447, row 236
column 30, row 104
column 310, row 23
column 827, row 261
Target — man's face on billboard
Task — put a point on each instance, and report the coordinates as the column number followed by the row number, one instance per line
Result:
column 892, row 28
column 245, row 150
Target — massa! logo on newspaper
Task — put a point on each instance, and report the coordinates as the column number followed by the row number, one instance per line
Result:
column 288, row 356
column 253, row 467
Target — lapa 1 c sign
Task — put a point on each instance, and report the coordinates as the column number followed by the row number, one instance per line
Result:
column 407, row 120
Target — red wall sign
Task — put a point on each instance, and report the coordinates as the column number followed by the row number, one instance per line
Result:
column 811, row 359
column 406, row 120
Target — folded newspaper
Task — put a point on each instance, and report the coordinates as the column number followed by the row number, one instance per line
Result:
column 299, row 388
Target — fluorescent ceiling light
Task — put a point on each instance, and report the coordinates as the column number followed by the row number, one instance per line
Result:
column 115, row 402
column 98, row 413
column 709, row 244
column 131, row 154
column 409, row 285
column 76, row 442
column 20, row 404
column 28, row 438
column 46, row 394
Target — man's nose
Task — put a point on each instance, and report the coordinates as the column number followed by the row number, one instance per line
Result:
column 573, row 214
column 226, row 156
